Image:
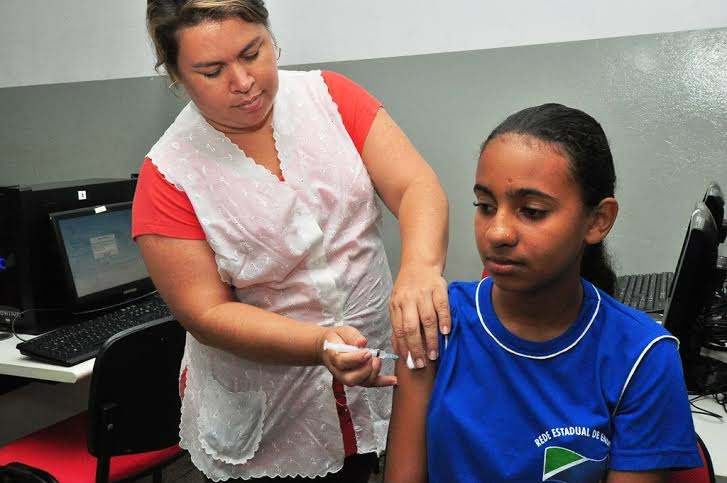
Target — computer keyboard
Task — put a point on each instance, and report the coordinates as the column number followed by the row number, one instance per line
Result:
column 80, row 341
column 646, row 292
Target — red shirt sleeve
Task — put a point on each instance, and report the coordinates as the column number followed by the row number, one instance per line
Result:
column 357, row 107
column 160, row 208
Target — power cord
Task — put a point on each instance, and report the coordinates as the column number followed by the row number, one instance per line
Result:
column 721, row 399
column 19, row 314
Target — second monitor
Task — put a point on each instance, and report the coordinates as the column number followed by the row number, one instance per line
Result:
column 690, row 298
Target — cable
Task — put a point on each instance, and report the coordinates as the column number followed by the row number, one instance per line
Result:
column 12, row 322
column 721, row 399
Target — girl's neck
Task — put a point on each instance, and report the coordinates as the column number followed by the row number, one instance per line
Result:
column 541, row 314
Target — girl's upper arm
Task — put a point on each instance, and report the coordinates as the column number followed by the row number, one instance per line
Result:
column 406, row 453
column 652, row 425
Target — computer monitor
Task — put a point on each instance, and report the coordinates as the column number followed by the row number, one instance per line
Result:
column 103, row 265
column 691, row 295
column 714, row 200
column 32, row 273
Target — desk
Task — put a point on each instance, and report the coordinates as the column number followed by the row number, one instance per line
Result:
column 713, row 433
column 13, row 363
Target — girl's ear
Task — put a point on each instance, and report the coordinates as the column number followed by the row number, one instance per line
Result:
column 600, row 220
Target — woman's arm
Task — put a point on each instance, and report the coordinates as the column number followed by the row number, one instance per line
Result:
column 185, row 273
column 406, row 452
column 411, row 191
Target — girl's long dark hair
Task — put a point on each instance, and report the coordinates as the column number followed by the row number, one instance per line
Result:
column 582, row 139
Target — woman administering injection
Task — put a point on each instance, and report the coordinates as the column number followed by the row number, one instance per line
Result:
column 257, row 217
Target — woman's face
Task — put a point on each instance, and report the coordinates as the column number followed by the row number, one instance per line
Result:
column 530, row 223
column 228, row 68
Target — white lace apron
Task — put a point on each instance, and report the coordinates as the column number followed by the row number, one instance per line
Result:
column 309, row 248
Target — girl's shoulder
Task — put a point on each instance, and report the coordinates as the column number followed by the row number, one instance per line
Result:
column 463, row 301
column 464, row 293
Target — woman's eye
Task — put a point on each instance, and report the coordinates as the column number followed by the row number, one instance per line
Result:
column 211, row 75
column 251, row 57
column 533, row 213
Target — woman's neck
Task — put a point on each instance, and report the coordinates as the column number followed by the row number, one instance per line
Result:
column 541, row 314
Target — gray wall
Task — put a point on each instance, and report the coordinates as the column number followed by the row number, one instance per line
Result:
column 661, row 99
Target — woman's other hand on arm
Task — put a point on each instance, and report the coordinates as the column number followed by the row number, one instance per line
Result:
column 411, row 190
column 185, row 273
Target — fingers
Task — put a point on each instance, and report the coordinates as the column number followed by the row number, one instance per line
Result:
column 350, row 336
column 410, row 319
column 359, row 368
column 412, row 334
column 419, row 310
column 347, row 361
column 428, row 317
column 368, row 376
column 398, row 336
column 441, row 306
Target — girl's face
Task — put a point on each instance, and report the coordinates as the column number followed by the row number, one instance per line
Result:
column 228, row 68
column 530, row 223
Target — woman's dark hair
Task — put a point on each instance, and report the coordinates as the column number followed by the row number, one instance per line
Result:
column 582, row 140
column 164, row 19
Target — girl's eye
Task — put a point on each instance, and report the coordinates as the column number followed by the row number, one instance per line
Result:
column 485, row 208
column 533, row 213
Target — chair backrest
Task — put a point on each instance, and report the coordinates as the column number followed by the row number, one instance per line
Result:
column 704, row 474
column 134, row 403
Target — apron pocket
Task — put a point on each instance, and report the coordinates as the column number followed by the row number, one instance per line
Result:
column 230, row 424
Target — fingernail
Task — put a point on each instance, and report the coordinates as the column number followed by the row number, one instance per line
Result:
column 420, row 363
column 445, row 330
column 433, row 356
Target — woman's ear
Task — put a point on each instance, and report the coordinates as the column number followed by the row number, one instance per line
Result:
column 600, row 220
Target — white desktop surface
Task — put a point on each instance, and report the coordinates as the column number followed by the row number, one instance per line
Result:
column 13, row 363
column 714, row 434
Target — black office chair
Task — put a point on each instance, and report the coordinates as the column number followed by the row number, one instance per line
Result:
column 132, row 423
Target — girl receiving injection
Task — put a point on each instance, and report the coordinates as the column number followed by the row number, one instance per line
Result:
column 544, row 376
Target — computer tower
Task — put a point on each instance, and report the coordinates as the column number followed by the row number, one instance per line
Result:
column 32, row 284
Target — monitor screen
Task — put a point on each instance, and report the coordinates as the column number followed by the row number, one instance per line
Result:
column 103, row 263
column 692, row 291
